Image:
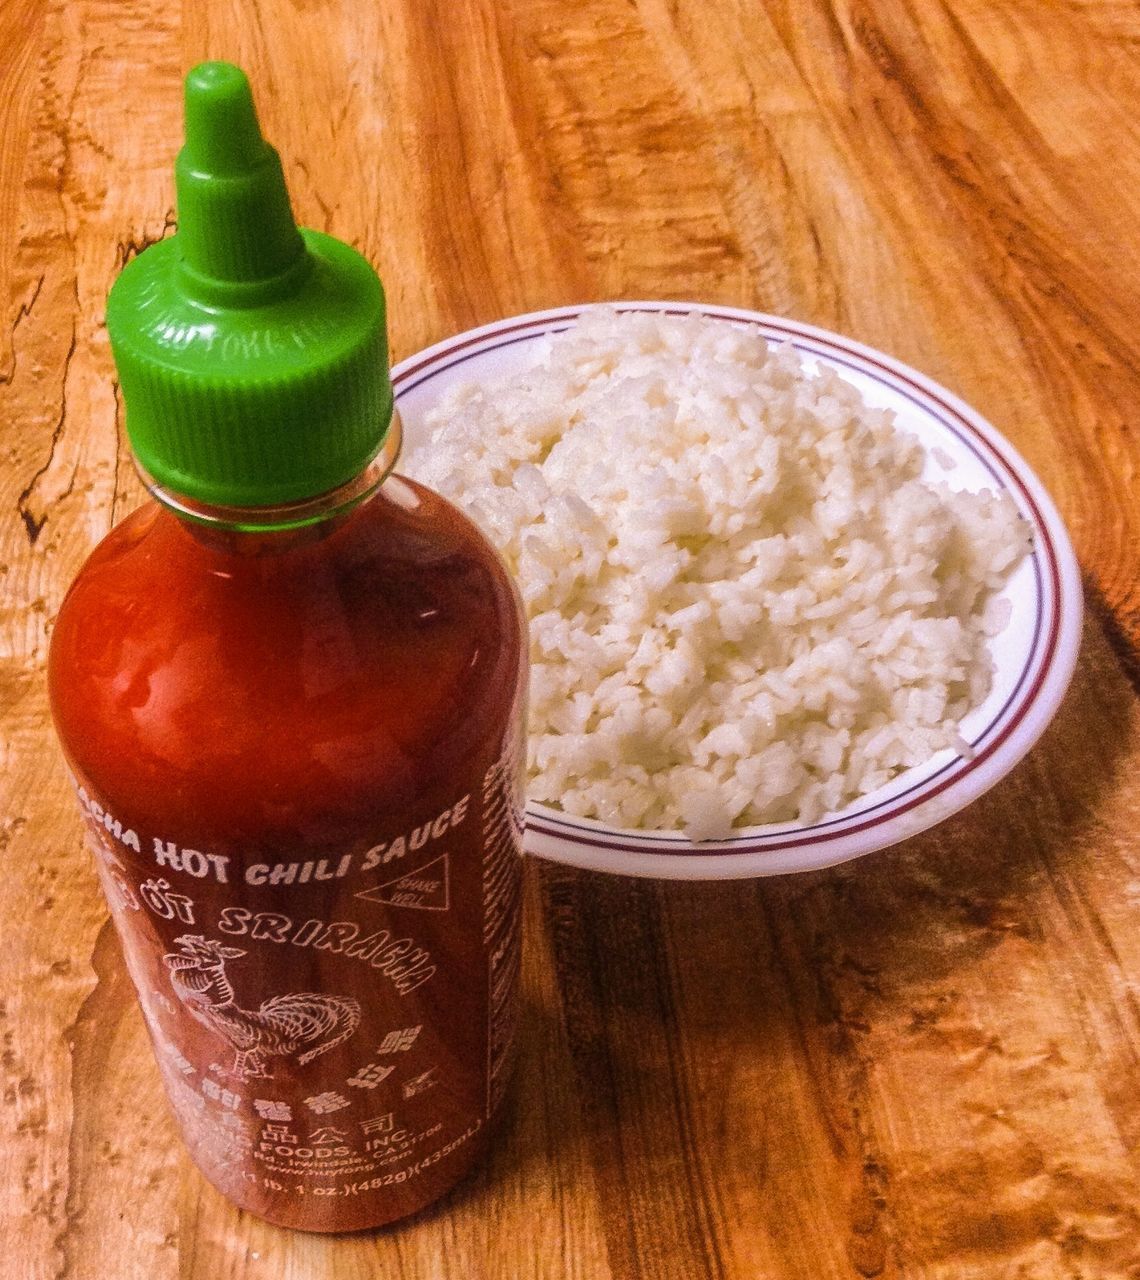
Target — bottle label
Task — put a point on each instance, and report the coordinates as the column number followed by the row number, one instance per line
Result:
column 329, row 1023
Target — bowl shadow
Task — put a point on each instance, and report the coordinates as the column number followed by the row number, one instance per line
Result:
column 664, row 1012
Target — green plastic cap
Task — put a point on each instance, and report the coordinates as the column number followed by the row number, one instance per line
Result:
column 252, row 357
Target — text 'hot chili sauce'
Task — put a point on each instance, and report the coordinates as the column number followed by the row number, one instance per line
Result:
column 291, row 692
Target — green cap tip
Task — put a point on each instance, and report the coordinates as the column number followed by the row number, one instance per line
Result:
column 223, row 137
column 235, row 223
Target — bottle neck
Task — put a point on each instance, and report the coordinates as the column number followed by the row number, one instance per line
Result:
column 287, row 524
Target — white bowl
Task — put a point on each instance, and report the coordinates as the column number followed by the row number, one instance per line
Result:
column 1034, row 655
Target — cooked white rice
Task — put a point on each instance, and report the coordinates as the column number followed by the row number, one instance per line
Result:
column 745, row 605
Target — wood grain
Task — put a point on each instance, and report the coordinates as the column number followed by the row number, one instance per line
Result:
column 925, row 1064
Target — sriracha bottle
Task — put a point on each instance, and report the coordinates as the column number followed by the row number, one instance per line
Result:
column 291, row 692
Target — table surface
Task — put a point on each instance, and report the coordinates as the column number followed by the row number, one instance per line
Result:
column 923, row 1064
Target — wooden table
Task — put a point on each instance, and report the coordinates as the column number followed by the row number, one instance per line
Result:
column 922, row 1064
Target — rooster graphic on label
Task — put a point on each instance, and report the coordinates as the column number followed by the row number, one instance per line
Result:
column 300, row 1025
